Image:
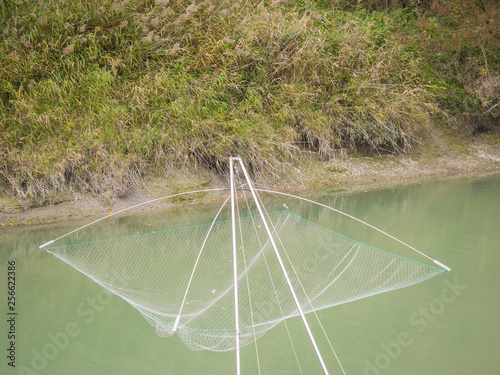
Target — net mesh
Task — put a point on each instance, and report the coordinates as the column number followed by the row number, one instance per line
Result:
column 152, row 271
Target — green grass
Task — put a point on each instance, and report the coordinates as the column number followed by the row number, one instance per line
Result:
column 96, row 94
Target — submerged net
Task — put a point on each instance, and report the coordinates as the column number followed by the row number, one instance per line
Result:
column 152, row 272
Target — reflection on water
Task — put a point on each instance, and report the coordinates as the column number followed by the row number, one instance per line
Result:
column 449, row 324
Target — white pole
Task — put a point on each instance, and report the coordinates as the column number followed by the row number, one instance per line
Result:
column 176, row 324
column 235, row 270
column 362, row 222
column 126, row 209
column 283, row 269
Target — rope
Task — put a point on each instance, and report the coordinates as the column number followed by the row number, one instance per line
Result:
column 274, row 287
column 329, row 343
column 360, row 221
column 305, row 293
column 285, row 274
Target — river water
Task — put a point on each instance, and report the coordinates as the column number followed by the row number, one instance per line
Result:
column 67, row 324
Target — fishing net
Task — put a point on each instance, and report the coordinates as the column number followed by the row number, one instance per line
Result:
column 155, row 272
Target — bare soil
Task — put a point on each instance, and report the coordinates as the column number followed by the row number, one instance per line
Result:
column 438, row 159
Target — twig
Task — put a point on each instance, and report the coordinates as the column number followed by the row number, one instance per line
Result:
column 489, row 110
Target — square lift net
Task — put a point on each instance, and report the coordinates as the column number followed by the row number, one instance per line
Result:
column 182, row 280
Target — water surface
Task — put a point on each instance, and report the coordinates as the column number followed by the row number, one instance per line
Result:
column 449, row 324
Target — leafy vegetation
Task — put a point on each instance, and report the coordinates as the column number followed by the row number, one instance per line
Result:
column 95, row 95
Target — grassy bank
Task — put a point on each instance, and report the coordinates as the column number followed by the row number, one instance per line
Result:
column 97, row 95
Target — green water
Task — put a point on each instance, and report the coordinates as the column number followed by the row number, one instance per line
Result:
column 66, row 324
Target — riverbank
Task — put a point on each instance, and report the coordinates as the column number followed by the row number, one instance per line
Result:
column 98, row 97
column 437, row 159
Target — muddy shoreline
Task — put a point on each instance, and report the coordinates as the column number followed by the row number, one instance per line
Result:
column 343, row 174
